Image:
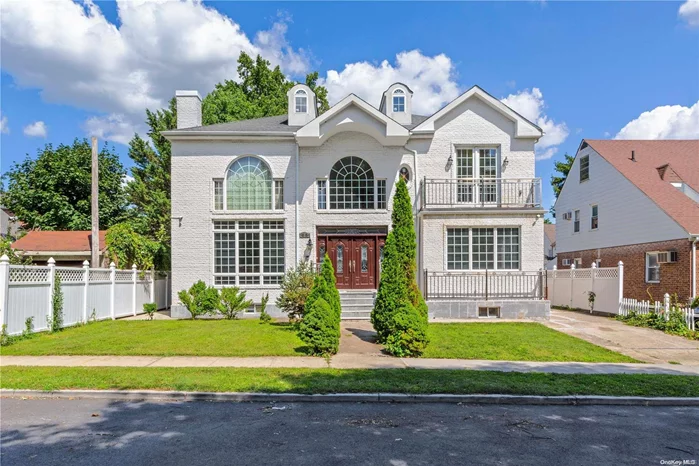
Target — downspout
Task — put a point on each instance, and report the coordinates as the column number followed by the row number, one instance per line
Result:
column 296, row 205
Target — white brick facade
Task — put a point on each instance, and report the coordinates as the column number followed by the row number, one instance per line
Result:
column 197, row 161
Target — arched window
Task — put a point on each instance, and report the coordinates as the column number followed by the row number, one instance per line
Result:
column 249, row 185
column 301, row 101
column 351, row 184
column 398, row 100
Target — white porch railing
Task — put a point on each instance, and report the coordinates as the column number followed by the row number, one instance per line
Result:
column 26, row 291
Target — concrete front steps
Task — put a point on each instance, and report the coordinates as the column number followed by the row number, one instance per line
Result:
column 357, row 305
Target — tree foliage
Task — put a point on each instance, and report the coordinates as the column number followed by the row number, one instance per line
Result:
column 125, row 247
column 562, row 168
column 53, row 190
column 408, row 337
column 320, row 329
column 233, row 302
column 200, row 299
column 15, row 256
column 324, row 287
column 295, row 287
column 55, row 322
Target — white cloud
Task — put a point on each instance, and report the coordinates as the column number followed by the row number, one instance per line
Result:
column 665, row 122
column 36, row 130
column 689, row 11
column 113, row 127
column 75, row 56
column 4, row 127
column 432, row 79
column 531, row 105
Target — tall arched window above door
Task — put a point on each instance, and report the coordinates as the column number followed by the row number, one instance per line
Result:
column 352, row 184
column 249, row 185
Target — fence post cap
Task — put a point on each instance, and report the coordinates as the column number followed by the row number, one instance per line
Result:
column 133, row 267
column 86, row 263
column 4, row 259
column 572, row 266
column 112, row 265
column 594, row 265
column 667, row 295
column 555, row 267
column 621, row 264
column 51, row 261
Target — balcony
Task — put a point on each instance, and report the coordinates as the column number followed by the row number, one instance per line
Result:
column 480, row 193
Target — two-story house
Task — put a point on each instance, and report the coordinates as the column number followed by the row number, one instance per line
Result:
column 252, row 198
column 635, row 202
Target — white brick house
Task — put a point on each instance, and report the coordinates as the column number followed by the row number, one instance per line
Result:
column 252, row 198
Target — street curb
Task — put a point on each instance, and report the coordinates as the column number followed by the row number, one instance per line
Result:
column 154, row 395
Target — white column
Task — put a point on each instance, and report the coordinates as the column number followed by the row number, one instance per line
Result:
column 86, row 278
column 621, row 283
column 593, row 273
column 666, row 306
column 151, row 291
column 52, row 280
column 134, row 273
column 572, row 277
column 4, row 287
column 112, row 289
column 167, row 289
column 552, row 286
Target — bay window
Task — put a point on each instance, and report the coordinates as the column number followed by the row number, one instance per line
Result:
column 483, row 248
column 248, row 252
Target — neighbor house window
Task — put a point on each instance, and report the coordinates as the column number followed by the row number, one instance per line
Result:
column 483, row 248
column 249, row 185
column 248, row 252
column 351, row 184
column 398, row 100
column 578, row 262
column 576, row 221
column 584, row 168
column 594, row 218
column 566, row 262
column 652, row 268
column 218, row 194
column 301, row 101
column 279, row 194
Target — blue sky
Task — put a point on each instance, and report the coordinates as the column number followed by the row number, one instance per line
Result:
column 587, row 69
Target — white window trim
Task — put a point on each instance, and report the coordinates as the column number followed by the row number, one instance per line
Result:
column 476, row 160
column 578, row 220
column 328, row 210
column 213, row 192
column 488, row 309
column 470, row 244
column 592, row 206
column 262, row 274
column 566, row 262
column 399, row 93
column 225, row 190
column 301, row 93
column 646, row 268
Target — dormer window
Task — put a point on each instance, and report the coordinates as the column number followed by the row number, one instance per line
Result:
column 398, row 100
column 301, row 101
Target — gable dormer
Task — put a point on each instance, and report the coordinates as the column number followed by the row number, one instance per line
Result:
column 397, row 103
column 302, row 105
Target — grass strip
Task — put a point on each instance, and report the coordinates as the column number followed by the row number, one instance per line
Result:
column 346, row 381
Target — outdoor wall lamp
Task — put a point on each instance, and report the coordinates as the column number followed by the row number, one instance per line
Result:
column 504, row 163
column 309, row 243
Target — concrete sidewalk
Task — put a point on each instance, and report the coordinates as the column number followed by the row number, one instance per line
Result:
column 350, row 361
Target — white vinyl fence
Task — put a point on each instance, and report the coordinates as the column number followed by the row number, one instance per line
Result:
column 571, row 287
column 628, row 306
column 27, row 291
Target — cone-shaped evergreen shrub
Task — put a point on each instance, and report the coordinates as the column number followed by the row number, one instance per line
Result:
column 392, row 289
column 320, row 329
column 408, row 335
column 333, row 296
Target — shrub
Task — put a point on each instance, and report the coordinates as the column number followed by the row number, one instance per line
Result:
column 200, row 299
column 28, row 327
column 5, row 338
column 296, row 286
column 320, row 329
column 333, row 295
column 408, row 334
column 233, row 302
column 392, row 290
column 55, row 322
column 264, row 317
column 150, row 308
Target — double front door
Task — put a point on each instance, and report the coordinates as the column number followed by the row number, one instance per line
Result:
column 356, row 260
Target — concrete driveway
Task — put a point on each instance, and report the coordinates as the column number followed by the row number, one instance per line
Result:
column 643, row 344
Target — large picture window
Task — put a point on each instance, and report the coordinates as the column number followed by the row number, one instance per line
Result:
column 483, row 248
column 352, row 184
column 248, row 252
column 249, row 185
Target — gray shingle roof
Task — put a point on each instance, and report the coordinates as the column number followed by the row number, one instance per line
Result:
column 277, row 123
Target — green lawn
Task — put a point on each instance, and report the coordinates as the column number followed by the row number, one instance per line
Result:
column 512, row 341
column 166, row 338
column 345, row 381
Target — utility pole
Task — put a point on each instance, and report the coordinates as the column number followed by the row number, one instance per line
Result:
column 95, row 207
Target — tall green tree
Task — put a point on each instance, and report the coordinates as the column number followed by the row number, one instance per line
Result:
column 52, row 190
column 557, row 180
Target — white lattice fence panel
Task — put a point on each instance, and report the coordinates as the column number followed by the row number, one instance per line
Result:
column 100, row 275
column 123, row 276
column 29, row 274
column 70, row 274
column 606, row 273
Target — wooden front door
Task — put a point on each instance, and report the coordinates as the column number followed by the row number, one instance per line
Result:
column 355, row 260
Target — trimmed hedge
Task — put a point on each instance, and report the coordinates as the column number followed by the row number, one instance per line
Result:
column 320, row 329
column 408, row 335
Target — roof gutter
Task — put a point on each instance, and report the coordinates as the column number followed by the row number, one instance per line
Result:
column 189, row 135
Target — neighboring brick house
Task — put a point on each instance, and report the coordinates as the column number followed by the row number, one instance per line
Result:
column 253, row 198
column 635, row 202
column 68, row 248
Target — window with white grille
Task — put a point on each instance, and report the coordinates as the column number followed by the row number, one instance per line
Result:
column 248, row 252
column 352, row 184
column 483, row 248
column 594, row 217
column 652, row 268
column 576, row 221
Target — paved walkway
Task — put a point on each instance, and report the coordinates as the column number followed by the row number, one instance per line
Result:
column 643, row 344
column 350, row 361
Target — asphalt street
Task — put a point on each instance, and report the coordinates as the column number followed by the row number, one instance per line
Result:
column 101, row 432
